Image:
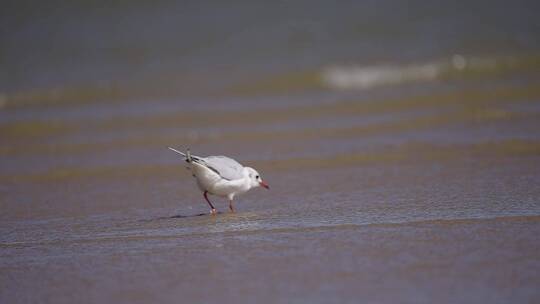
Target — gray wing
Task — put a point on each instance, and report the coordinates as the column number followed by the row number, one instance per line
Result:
column 226, row 167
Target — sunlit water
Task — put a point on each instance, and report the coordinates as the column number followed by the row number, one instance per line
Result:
column 401, row 143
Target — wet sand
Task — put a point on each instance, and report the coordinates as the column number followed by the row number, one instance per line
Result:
column 401, row 170
column 418, row 199
column 418, row 262
column 410, row 231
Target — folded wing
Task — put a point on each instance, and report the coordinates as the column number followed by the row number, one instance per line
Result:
column 226, row 167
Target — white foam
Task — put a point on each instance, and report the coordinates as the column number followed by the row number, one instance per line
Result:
column 366, row 77
column 355, row 77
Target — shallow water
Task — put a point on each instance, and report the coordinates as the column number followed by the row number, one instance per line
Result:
column 401, row 143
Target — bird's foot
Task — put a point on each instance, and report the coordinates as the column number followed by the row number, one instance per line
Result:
column 213, row 212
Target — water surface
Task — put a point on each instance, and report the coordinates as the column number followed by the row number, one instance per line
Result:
column 401, row 143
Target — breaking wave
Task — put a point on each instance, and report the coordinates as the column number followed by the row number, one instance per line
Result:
column 457, row 66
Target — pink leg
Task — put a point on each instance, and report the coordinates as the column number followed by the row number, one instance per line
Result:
column 213, row 210
column 231, row 206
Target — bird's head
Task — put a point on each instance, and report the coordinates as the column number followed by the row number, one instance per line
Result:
column 255, row 178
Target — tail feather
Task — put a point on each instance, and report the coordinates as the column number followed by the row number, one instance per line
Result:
column 186, row 155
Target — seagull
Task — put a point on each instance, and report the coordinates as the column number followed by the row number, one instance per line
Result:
column 222, row 176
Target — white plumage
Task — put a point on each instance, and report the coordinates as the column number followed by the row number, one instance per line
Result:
column 221, row 176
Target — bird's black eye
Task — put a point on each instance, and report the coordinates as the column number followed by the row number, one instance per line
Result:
column 257, row 177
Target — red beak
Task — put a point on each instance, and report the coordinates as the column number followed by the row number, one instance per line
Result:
column 264, row 184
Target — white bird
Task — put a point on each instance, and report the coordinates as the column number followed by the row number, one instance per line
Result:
column 222, row 176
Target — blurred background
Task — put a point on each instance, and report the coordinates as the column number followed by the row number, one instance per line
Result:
column 357, row 113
